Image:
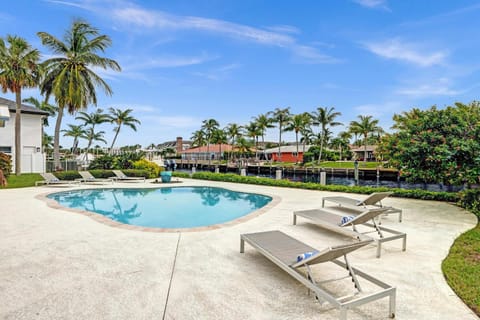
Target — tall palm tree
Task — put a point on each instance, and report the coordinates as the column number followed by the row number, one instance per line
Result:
column 325, row 118
column 219, row 137
column 69, row 75
column 307, row 137
column 365, row 126
column 344, row 137
column 280, row 116
column 253, row 131
column 234, row 131
column 296, row 124
column 264, row 122
column 90, row 135
column 209, row 126
column 121, row 118
column 18, row 69
column 75, row 132
column 198, row 138
column 92, row 119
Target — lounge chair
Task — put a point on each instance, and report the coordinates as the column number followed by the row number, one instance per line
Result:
column 50, row 179
column 331, row 220
column 284, row 251
column 374, row 199
column 87, row 177
column 120, row 176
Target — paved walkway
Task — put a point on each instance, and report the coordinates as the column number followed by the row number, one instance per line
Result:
column 55, row 264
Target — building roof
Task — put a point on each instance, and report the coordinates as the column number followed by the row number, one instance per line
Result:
column 288, row 149
column 213, row 148
column 370, row 148
column 12, row 106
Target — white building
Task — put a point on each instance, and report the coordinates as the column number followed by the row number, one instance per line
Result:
column 32, row 156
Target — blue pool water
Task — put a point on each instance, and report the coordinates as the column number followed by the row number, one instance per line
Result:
column 179, row 207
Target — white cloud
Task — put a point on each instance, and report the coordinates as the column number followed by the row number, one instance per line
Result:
column 408, row 52
column 439, row 87
column 154, row 20
column 373, row 4
column 219, row 73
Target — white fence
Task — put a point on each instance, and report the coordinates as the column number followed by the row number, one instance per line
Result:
column 33, row 163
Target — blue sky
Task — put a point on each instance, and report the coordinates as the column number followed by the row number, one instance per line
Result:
column 186, row 61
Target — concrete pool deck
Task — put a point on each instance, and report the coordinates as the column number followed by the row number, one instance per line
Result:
column 56, row 264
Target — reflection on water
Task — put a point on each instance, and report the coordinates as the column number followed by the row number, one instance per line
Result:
column 164, row 207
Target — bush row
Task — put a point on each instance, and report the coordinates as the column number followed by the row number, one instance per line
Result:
column 72, row 175
column 397, row 192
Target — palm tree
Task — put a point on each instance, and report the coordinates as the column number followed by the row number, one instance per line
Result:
column 90, row 135
column 75, row 132
column 121, row 118
column 69, row 76
column 47, row 143
column 296, row 124
column 253, row 131
column 280, row 116
column 92, row 119
column 234, row 131
column 344, row 137
column 365, row 126
column 198, row 138
column 307, row 136
column 219, row 137
column 18, row 69
column 325, row 118
column 264, row 122
column 209, row 126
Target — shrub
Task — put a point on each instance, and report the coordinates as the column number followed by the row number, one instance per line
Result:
column 5, row 164
column 103, row 162
column 152, row 168
column 470, row 200
column 397, row 192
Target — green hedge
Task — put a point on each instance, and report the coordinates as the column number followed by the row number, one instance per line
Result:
column 397, row 192
column 72, row 175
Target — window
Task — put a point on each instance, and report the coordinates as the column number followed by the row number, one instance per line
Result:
column 6, row 149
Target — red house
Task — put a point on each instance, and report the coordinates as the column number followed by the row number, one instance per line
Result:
column 288, row 153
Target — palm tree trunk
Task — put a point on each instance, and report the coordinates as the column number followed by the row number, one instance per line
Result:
column 18, row 123
column 279, row 145
column 365, row 150
column 114, row 139
column 321, row 149
column 263, row 144
column 56, row 140
column 296, row 141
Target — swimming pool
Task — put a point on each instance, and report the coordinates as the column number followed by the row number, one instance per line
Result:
column 178, row 207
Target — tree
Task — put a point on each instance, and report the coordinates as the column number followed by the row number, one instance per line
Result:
column 90, row 135
column 280, row 116
column 264, row 122
column 75, row 132
column 198, row 138
column 233, row 131
column 69, row 76
column 219, row 137
column 209, row 126
column 18, row 69
column 365, row 126
column 296, row 124
column 325, row 118
column 436, row 146
column 253, row 131
column 92, row 120
column 121, row 118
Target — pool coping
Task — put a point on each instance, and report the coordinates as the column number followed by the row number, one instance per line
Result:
column 112, row 223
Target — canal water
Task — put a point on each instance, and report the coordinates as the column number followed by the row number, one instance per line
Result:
column 350, row 181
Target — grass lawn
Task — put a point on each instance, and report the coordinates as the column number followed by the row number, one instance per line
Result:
column 462, row 268
column 23, row 180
